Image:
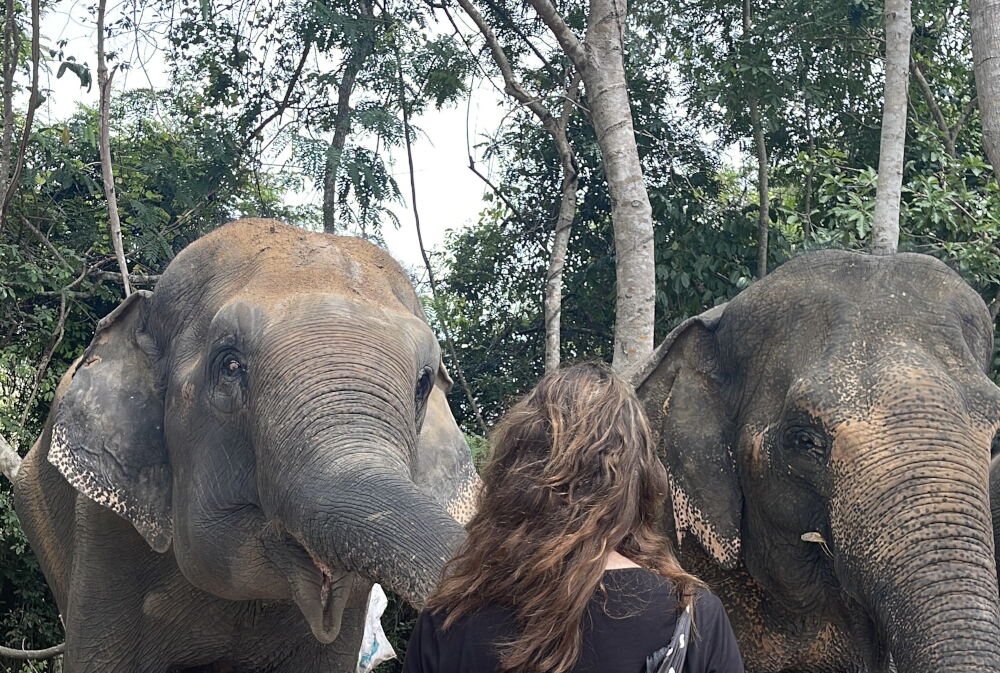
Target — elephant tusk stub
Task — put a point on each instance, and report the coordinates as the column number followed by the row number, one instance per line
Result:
column 813, row 536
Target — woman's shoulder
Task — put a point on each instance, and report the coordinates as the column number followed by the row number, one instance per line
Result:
column 707, row 605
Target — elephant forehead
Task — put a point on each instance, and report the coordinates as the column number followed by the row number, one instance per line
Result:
column 264, row 261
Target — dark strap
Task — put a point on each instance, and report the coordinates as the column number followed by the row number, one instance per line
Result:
column 670, row 659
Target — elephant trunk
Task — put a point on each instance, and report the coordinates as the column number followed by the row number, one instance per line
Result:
column 378, row 524
column 923, row 565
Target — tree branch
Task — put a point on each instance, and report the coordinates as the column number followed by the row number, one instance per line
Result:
column 107, row 172
column 29, row 118
column 567, row 39
column 54, row 341
column 957, row 128
column 494, row 188
column 9, row 63
column 925, row 89
column 564, row 224
column 43, row 239
column 23, row 655
column 135, row 278
column 459, row 374
column 283, row 105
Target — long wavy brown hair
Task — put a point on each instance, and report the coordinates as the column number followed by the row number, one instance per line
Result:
column 573, row 475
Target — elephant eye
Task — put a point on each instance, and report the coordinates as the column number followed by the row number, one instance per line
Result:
column 805, row 440
column 231, row 366
column 424, row 384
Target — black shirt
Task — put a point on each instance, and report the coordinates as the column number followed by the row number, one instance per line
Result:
column 635, row 617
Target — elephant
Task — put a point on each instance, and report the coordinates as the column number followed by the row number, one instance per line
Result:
column 240, row 454
column 827, row 438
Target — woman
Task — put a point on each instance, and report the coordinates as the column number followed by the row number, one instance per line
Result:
column 565, row 567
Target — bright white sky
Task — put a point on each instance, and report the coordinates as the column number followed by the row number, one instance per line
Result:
column 449, row 195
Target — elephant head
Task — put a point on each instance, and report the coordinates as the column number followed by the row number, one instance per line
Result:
column 273, row 415
column 828, row 433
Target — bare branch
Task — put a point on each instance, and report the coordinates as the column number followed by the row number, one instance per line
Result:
column 511, row 86
column 925, row 89
column 107, row 173
column 134, row 278
column 29, row 117
column 44, row 240
column 964, row 117
column 43, row 366
column 10, row 462
column 567, row 39
column 23, row 655
column 496, row 190
column 459, row 374
column 283, row 105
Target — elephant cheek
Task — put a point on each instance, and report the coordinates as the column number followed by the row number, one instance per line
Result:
column 462, row 505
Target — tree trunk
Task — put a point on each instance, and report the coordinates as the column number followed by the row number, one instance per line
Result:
column 560, row 241
column 567, row 205
column 9, row 69
column 13, row 179
column 104, row 88
column 985, row 19
column 898, row 28
column 631, row 213
column 600, row 61
column 760, row 148
column 808, row 215
column 342, row 121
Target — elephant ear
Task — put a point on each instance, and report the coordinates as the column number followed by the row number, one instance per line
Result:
column 682, row 387
column 107, row 439
column 443, row 468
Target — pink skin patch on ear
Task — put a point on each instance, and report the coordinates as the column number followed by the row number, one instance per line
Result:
column 688, row 518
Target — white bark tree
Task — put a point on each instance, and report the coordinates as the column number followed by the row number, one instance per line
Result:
column 556, row 126
column 898, row 28
column 760, row 148
column 599, row 58
column 985, row 19
column 104, row 140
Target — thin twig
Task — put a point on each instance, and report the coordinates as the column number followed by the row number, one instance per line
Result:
column 43, row 239
column 925, row 89
column 43, row 366
column 957, row 128
column 423, row 253
column 283, row 105
column 496, row 190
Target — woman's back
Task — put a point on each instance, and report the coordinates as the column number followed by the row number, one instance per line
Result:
column 572, row 495
column 632, row 617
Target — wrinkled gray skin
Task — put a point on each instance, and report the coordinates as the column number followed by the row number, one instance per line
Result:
column 843, row 397
column 240, row 454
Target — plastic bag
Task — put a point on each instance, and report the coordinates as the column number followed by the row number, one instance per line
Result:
column 375, row 647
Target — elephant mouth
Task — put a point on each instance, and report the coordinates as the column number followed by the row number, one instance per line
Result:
column 320, row 590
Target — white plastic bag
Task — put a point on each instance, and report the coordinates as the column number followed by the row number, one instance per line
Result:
column 375, row 647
